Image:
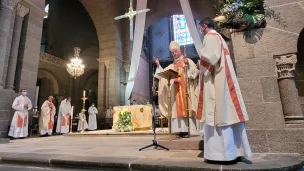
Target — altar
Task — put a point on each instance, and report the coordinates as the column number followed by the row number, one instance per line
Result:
column 141, row 116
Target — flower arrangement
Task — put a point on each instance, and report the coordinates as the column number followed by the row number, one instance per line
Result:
column 124, row 123
column 240, row 14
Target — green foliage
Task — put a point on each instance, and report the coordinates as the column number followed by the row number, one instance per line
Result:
column 124, row 123
column 241, row 14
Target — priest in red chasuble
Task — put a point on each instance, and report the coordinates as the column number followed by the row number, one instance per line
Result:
column 220, row 107
column 179, row 122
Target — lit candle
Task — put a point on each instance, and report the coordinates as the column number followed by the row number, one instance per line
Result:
column 83, row 93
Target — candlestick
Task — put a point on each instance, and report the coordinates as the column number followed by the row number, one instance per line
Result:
column 83, row 110
column 71, row 122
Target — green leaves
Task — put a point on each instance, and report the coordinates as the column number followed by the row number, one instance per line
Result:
column 124, row 123
column 247, row 14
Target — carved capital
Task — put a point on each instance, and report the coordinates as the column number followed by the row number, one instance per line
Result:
column 107, row 64
column 9, row 4
column 286, row 65
column 21, row 10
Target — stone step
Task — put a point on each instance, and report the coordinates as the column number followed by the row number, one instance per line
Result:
column 195, row 142
column 259, row 162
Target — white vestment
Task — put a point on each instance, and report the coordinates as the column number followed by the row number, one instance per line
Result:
column 46, row 119
column 79, row 128
column 19, row 125
column 92, row 118
column 109, row 113
column 178, row 124
column 220, row 103
column 63, row 121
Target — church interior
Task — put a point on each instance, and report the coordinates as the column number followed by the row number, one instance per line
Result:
column 41, row 43
column 75, row 28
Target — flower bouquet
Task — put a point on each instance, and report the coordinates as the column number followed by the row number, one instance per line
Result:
column 240, row 14
column 123, row 123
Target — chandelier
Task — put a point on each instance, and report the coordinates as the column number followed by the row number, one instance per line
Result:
column 76, row 68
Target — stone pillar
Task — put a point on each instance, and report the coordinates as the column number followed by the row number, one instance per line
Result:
column 101, row 104
column 107, row 84
column 21, row 11
column 289, row 93
column 6, row 13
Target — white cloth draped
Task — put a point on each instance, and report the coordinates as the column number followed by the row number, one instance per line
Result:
column 19, row 125
column 92, row 118
column 191, row 25
column 136, row 49
column 226, row 143
column 63, row 117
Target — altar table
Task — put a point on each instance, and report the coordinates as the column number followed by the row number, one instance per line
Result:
column 141, row 116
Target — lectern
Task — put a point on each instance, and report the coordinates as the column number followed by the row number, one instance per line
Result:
column 168, row 75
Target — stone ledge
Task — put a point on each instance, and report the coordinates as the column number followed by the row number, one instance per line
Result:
column 4, row 140
column 195, row 142
column 260, row 162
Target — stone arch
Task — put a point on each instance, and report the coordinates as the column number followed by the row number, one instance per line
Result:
column 80, row 31
column 48, row 85
column 300, row 46
column 300, row 68
column 48, row 74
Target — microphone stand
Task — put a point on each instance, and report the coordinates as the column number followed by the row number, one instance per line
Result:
column 154, row 141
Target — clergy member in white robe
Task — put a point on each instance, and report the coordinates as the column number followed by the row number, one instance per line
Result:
column 79, row 128
column 221, row 106
column 46, row 119
column 19, row 126
column 92, row 117
column 65, row 111
column 109, row 113
column 179, row 121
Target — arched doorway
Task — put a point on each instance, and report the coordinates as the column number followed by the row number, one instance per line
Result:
column 48, row 85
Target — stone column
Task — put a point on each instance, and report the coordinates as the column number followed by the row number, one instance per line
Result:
column 289, row 93
column 101, row 104
column 107, row 84
column 6, row 12
column 126, row 66
column 21, row 11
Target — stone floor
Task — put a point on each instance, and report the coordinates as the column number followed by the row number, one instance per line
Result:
column 31, row 168
column 122, row 153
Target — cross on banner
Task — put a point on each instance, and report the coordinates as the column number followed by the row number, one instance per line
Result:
column 131, row 15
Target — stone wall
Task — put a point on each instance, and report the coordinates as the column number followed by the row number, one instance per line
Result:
column 256, row 72
column 21, row 48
